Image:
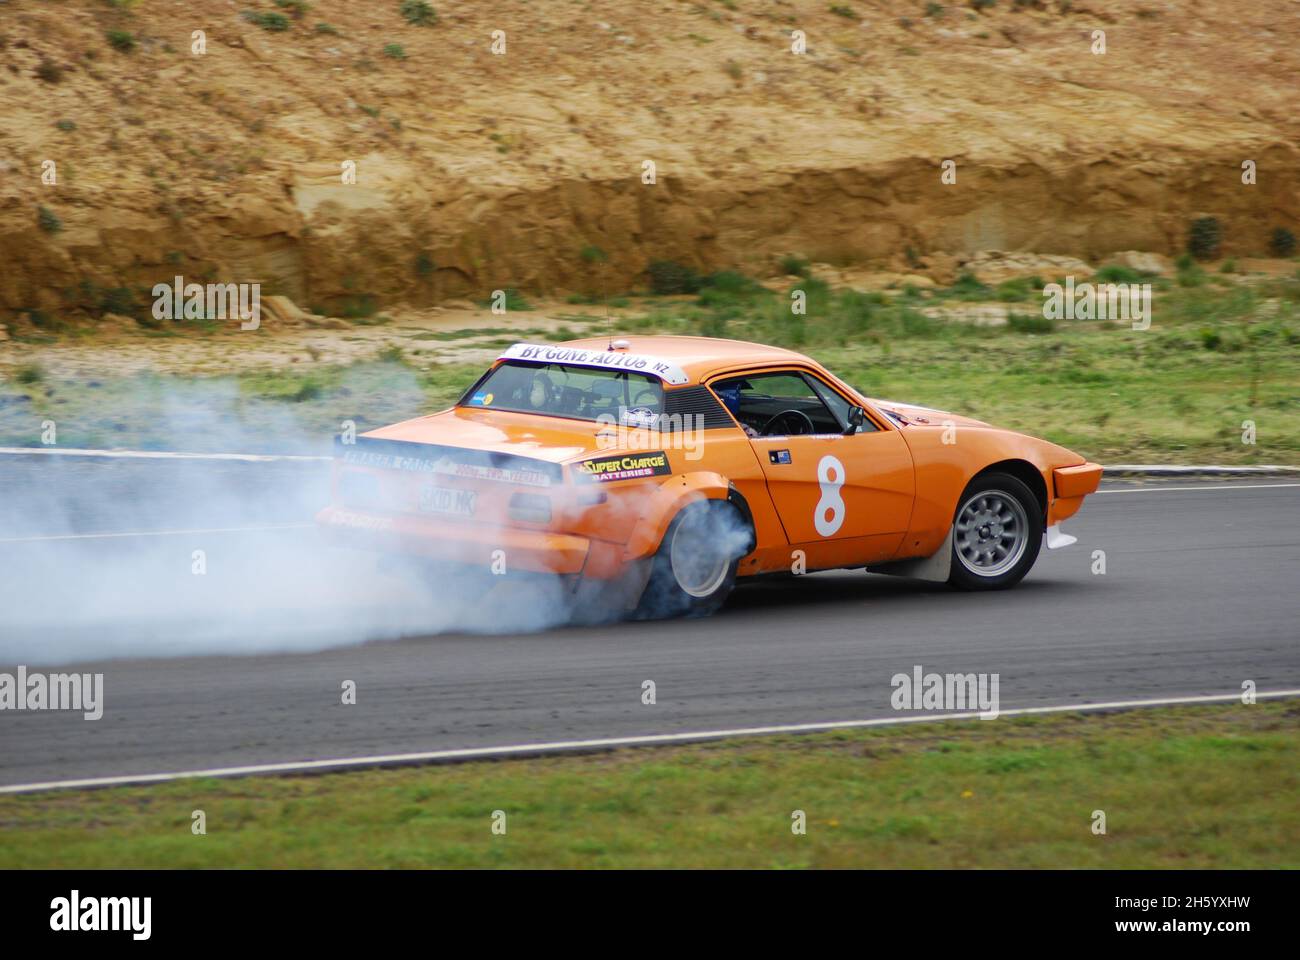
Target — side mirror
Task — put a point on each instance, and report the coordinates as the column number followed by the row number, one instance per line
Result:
column 857, row 416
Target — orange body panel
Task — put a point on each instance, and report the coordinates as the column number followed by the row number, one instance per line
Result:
column 461, row 484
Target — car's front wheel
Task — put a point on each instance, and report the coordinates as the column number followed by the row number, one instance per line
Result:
column 694, row 569
column 996, row 533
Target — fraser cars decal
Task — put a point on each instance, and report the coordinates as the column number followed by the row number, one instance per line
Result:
column 346, row 518
column 446, row 461
column 609, row 359
column 624, row 467
column 830, row 508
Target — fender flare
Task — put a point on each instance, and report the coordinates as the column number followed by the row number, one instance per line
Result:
column 670, row 498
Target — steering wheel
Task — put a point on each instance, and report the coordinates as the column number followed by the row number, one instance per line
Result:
column 645, row 398
column 807, row 421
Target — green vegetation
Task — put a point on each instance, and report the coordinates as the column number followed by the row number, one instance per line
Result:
column 120, row 40
column 394, row 51
column 794, row 266
column 667, row 277
column 1176, row 392
column 1221, row 349
column 274, row 22
column 514, row 300
column 1030, row 323
column 1118, row 274
column 47, row 220
column 418, row 12
column 29, row 373
column 1281, row 243
column 1185, row 787
column 49, row 71
column 297, row 8
column 1203, row 238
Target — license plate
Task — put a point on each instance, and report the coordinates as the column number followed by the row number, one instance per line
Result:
column 447, row 500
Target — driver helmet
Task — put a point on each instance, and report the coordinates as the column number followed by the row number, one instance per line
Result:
column 730, row 397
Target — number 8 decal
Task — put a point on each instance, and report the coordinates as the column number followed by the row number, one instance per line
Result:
column 830, row 508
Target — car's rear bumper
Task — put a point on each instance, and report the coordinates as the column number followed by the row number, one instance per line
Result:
column 537, row 551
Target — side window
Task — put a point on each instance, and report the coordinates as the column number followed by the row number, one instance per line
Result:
column 781, row 403
column 838, row 405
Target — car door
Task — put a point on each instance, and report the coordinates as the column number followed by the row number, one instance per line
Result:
column 827, row 485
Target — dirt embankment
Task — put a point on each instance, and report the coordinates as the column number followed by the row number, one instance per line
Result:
column 476, row 170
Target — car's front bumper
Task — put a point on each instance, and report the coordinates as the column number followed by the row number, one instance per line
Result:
column 1070, row 485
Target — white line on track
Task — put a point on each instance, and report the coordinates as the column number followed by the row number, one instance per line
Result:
column 1209, row 469
column 156, row 533
column 303, row 526
column 560, row 746
column 152, row 454
column 1199, row 487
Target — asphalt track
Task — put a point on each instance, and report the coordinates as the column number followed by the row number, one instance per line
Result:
column 1199, row 595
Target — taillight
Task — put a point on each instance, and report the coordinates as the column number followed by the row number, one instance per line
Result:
column 530, row 507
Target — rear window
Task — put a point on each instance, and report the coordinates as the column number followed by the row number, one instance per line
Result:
column 579, row 393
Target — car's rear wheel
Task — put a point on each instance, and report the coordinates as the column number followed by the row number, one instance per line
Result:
column 694, row 569
column 996, row 533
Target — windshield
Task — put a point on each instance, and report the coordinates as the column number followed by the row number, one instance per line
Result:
column 580, row 393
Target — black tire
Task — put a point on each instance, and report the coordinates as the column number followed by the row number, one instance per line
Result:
column 702, row 588
column 993, row 508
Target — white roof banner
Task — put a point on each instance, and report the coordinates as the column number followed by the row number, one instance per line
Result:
column 608, row 359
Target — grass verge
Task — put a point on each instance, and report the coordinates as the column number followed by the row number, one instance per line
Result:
column 1220, row 365
column 1205, row 786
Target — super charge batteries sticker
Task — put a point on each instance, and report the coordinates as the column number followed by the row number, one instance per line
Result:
column 630, row 466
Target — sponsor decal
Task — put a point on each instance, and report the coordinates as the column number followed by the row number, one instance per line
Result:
column 630, row 466
column 611, row 360
column 346, row 518
column 441, row 466
column 640, row 417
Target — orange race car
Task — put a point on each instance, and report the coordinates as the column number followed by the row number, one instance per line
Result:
column 654, row 471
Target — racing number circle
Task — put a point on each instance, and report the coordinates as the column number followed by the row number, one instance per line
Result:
column 829, row 516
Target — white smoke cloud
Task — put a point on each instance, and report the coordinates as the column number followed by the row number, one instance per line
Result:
column 67, row 597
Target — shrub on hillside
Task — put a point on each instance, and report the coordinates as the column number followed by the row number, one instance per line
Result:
column 1203, row 238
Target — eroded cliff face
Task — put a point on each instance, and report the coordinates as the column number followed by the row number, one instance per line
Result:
column 475, row 171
